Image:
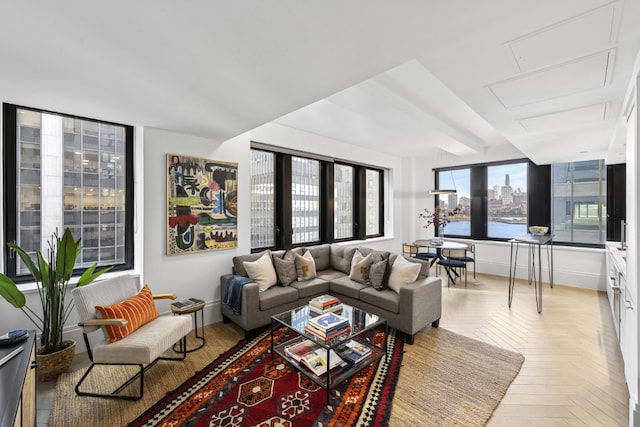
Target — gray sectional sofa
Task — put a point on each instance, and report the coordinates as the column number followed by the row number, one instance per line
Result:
column 410, row 308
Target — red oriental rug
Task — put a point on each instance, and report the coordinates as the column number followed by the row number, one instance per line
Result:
column 246, row 387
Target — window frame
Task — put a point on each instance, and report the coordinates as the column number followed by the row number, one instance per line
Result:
column 538, row 199
column 283, row 198
column 10, row 193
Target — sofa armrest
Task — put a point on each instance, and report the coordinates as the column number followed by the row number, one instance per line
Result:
column 421, row 303
column 250, row 304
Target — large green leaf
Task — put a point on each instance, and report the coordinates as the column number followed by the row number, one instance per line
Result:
column 10, row 292
column 89, row 276
column 66, row 254
column 45, row 278
column 26, row 259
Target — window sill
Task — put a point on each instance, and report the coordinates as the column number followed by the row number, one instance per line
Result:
column 32, row 287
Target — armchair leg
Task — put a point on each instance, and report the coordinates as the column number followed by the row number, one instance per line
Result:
column 140, row 374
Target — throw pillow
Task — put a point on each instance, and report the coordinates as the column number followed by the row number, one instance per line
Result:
column 305, row 266
column 379, row 275
column 321, row 256
column 285, row 269
column 402, row 272
column 360, row 268
column 137, row 310
column 262, row 272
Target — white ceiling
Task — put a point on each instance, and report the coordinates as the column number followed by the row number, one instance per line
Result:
column 548, row 77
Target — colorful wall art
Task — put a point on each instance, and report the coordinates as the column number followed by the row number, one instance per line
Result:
column 202, row 204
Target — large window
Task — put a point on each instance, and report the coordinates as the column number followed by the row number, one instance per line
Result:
column 579, row 202
column 507, row 205
column 297, row 199
column 64, row 171
column 492, row 199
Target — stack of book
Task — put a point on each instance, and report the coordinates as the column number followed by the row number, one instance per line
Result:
column 325, row 304
column 355, row 351
column 328, row 326
column 316, row 361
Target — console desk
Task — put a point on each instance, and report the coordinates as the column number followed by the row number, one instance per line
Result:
column 18, row 385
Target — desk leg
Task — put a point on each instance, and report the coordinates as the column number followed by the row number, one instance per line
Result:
column 513, row 261
column 538, row 282
column 550, row 262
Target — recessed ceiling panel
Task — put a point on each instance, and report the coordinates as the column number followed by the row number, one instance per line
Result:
column 585, row 74
column 565, row 119
column 576, row 37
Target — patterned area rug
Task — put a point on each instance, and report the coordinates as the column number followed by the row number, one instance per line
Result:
column 246, row 387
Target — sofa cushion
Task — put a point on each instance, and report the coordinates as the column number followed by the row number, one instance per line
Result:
column 341, row 258
column 262, row 272
column 308, row 288
column 379, row 275
column 387, row 299
column 238, row 267
column 329, row 274
column 402, row 272
column 321, row 255
column 360, row 268
column 276, row 296
column 285, row 269
column 305, row 266
column 347, row 287
column 376, row 254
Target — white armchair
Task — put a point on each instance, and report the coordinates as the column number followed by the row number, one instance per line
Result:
column 142, row 347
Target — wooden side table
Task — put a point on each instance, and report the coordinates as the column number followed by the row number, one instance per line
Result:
column 198, row 306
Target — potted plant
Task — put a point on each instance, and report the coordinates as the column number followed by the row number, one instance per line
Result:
column 52, row 277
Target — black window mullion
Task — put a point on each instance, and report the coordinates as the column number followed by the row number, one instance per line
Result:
column 283, row 220
column 327, row 203
column 479, row 202
column 360, row 203
column 10, row 147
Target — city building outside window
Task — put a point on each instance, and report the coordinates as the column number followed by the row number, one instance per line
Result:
column 459, row 180
column 343, row 193
column 63, row 171
column 262, row 199
column 305, row 202
column 507, row 203
column 579, row 195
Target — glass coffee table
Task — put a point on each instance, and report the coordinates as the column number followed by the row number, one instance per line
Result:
column 360, row 322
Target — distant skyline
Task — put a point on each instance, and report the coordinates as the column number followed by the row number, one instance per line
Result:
column 459, row 179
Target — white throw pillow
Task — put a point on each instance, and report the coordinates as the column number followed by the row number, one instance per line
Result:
column 305, row 266
column 262, row 272
column 403, row 272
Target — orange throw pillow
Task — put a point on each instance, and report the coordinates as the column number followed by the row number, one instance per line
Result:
column 138, row 310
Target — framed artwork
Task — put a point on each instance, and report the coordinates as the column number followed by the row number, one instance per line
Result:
column 202, row 204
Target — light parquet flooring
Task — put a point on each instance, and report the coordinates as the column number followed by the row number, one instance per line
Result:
column 573, row 374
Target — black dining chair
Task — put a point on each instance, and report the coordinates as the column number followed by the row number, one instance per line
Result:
column 453, row 265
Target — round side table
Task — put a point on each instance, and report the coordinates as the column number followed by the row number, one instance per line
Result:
column 198, row 331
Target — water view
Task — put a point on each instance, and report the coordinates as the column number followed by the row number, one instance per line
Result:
column 496, row 229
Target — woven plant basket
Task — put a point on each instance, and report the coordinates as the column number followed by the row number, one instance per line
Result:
column 53, row 364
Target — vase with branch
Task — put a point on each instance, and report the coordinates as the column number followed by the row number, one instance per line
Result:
column 439, row 218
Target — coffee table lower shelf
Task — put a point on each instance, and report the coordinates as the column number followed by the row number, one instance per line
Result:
column 335, row 376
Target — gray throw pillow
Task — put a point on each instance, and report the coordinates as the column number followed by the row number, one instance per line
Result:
column 286, row 270
column 379, row 275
